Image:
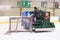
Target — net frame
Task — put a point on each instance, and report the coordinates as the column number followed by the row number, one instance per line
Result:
column 30, row 29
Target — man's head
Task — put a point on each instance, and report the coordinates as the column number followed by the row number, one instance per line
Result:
column 35, row 8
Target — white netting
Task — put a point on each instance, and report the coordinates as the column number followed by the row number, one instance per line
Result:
column 20, row 24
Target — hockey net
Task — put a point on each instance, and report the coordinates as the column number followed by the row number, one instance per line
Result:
column 19, row 24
